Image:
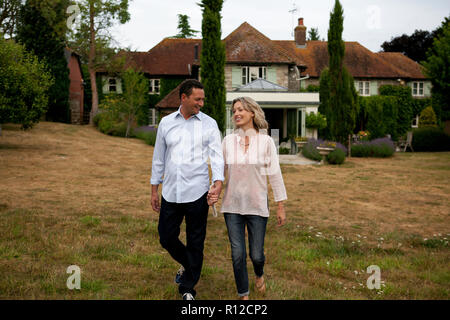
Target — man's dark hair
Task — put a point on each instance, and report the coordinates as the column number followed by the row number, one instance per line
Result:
column 187, row 86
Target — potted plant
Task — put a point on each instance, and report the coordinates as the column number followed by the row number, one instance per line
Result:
column 301, row 141
column 326, row 147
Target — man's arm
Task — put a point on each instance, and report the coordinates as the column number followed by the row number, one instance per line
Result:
column 217, row 161
column 158, row 166
column 155, row 198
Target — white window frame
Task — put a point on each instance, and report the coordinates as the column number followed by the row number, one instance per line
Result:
column 418, row 89
column 112, row 85
column 154, row 86
column 259, row 72
column 108, row 85
column 364, row 88
column 152, row 117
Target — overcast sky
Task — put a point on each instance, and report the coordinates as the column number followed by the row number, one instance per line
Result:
column 368, row 22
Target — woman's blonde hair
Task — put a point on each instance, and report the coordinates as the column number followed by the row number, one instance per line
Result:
column 259, row 120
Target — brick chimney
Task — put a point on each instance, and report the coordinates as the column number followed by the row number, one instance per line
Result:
column 300, row 34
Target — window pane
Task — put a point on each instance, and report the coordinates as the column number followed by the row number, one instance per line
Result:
column 254, row 73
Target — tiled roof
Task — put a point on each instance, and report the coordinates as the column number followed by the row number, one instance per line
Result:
column 361, row 62
column 173, row 56
column 171, row 100
column 405, row 64
column 246, row 44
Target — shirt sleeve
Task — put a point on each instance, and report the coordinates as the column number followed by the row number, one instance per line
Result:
column 216, row 154
column 274, row 172
column 159, row 153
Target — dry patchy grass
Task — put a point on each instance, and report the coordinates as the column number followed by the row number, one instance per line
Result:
column 71, row 195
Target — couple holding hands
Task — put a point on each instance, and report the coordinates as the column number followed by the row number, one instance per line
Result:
column 185, row 140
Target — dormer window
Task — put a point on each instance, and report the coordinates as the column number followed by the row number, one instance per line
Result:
column 250, row 74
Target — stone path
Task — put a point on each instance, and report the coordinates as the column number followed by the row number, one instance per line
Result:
column 296, row 159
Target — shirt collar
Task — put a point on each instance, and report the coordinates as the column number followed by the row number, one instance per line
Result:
column 199, row 115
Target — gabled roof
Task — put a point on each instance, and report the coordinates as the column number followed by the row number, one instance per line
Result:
column 361, row 62
column 262, row 85
column 246, row 44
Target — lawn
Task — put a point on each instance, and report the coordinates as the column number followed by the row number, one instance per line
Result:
column 70, row 195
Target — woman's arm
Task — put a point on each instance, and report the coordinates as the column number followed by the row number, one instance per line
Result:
column 281, row 214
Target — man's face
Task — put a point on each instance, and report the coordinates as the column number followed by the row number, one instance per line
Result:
column 192, row 104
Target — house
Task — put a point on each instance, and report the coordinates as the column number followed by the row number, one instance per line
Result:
column 76, row 89
column 370, row 70
column 287, row 67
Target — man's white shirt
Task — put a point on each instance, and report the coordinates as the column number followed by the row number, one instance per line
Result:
column 180, row 157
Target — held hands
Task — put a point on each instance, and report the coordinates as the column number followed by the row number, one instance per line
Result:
column 214, row 193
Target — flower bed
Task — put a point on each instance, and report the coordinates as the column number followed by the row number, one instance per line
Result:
column 378, row 148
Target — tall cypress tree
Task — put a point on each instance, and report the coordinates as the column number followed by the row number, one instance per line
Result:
column 45, row 37
column 342, row 109
column 212, row 61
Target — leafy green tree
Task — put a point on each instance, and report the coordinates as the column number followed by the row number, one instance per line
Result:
column 24, row 82
column 184, row 28
column 416, row 45
column 9, row 12
column 313, row 34
column 134, row 95
column 91, row 38
column 437, row 67
column 212, row 61
column 47, row 42
column 343, row 106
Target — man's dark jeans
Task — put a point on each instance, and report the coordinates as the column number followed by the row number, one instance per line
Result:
column 256, row 226
column 190, row 256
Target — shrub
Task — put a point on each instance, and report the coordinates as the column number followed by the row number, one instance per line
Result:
column 312, row 88
column 110, row 125
column 337, row 156
column 427, row 118
column 378, row 115
column 284, row 150
column 430, row 139
column 378, row 148
column 314, row 120
column 149, row 137
column 310, row 151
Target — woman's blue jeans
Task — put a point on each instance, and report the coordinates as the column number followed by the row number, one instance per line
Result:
column 256, row 227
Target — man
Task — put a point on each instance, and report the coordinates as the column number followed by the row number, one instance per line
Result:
column 184, row 142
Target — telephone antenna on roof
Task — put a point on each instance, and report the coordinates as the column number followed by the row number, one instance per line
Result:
column 293, row 11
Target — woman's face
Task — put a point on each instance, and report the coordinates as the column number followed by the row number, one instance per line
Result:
column 242, row 117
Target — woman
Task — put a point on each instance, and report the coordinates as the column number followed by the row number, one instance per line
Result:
column 250, row 156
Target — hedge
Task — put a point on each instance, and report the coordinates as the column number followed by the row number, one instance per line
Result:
column 430, row 139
